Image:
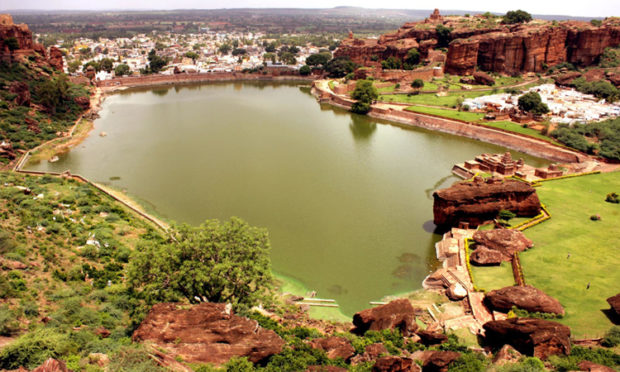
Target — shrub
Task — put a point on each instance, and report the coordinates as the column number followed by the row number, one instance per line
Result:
column 417, row 84
column 612, row 337
column 506, row 215
column 241, row 364
column 8, row 321
column 595, row 217
column 612, row 197
column 35, row 347
column 392, row 63
column 132, row 359
column 468, row 362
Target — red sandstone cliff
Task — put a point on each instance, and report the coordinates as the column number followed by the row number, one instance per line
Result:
column 26, row 45
column 491, row 46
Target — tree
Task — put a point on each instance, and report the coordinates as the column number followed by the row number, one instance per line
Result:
column 412, row 58
column 288, row 58
column 96, row 65
column 269, row 56
column 53, row 93
column 156, row 63
column 365, row 92
column 531, row 102
column 122, row 70
column 193, row 55
column 107, row 64
column 305, row 70
column 339, row 67
column 417, row 83
column 516, row 16
column 239, row 51
column 392, row 63
column 444, row 35
column 216, row 261
column 74, row 65
column 318, row 59
column 224, row 48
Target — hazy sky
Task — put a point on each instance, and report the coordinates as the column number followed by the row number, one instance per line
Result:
column 598, row 8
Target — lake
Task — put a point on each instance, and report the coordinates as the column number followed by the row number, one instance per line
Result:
column 346, row 198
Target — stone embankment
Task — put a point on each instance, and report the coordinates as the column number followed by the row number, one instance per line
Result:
column 155, row 80
column 396, row 113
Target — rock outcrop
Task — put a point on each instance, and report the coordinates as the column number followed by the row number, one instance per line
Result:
column 52, row 365
column 55, row 58
column 588, row 366
column 498, row 48
column 397, row 314
column 482, row 78
column 334, row 347
column 394, row 364
column 485, row 256
column 26, row 47
column 527, row 298
column 439, row 361
column 535, row 337
column 507, row 354
column 22, row 91
column 614, row 302
column 505, row 241
column 431, row 338
column 479, row 201
column 206, row 333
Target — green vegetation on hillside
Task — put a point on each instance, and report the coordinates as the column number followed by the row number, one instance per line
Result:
column 54, row 105
column 603, row 137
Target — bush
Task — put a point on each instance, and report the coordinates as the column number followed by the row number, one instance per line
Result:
column 595, row 217
column 132, row 359
column 612, row 197
column 417, row 83
column 392, row 63
column 506, row 215
column 602, row 89
column 360, row 107
column 305, row 70
column 612, row 337
column 241, row 364
column 516, row 16
column 468, row 362
column 35, row 347
column 8, row 322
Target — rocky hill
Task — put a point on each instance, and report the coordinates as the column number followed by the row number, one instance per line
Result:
column 479, row 42
column 37, row 100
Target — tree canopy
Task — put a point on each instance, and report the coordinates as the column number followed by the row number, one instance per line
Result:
column 444, row 35
column 156, row 63
column 392, row 63
column 318, row 59
column 516, row 16
column 122, row 70
column 365, row 92
column 216, row 261
column 531, row 102
column 339, row 67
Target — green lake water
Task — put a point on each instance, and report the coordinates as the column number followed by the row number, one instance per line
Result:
column 346, row 198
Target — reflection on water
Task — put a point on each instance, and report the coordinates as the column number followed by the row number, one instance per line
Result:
column 344, row 197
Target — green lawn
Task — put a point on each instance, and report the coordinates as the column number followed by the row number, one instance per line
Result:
column 451, row 114
column 517, row 128
column 431, row 99
column 594, row 248
column 492, row 277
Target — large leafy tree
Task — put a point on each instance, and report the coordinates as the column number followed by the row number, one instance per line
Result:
column 517, row 16
column 365, row 92
column 318, row 59
column 156, row 63
column 216, row 262
column 339, row 67
column 531, row 102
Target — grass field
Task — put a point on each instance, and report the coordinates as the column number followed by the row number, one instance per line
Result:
column 431, row 99
column 450, row 114
column 492, row 277
column 517, row 128
column 593, row 246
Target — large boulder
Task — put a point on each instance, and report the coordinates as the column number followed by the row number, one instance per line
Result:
column 484, row 256
column 507, row 354
column 371, row 352
column 52, row 365
column 480, row 201
column 334, row 347
column 395, row 364
column 439, row 361
column 523, row 297
column 482, row 78
column 206, row 333
column 614, row 302
column 535, row 337
column 432, row 338
column 506, row 241
column 397, row 314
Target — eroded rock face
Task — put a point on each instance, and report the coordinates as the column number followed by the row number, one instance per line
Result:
column 527, row 298
column 335, row 347
column 23, row 93
column 206, row 333
column 397, row 314
column 507, row 354
column 52, row 365
column 394, row 364
column 535, row 337
column 505, row 241
column 479, row 201
column 55, row 58
column 485, row 256
column 614, row 302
